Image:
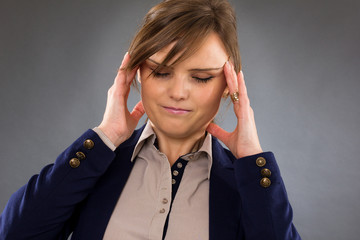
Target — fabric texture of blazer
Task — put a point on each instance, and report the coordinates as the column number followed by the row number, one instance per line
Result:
column 62, row 199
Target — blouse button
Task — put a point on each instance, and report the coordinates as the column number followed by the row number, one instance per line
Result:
column 173, row 181
column 179, row 165
column 175, row 173
column 162, row 210
column 165, row 201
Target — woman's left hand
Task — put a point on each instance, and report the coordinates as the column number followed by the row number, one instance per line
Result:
column 244, row 140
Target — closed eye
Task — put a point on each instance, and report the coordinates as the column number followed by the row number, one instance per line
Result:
column 159, row 74
column 203, row 80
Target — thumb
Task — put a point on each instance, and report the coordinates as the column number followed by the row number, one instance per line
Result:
column 138, row 111
column 219, row 133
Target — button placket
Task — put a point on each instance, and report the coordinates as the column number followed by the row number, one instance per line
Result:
column 165, row 192
column 176, row 173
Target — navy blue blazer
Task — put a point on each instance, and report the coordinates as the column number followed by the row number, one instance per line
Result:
column 62, row 199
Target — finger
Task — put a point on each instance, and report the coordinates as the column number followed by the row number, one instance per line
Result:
column 243, row 96
column 219, row 133
column 231, row 78
column 138, row 111
column 121, row 74
column 124, row 77
column 242, row 109
column 241, row 83
column 123, row 70
column 131, row 75
column 124, row 61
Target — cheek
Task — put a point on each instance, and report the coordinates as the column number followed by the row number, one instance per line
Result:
column 210, row 98
column 150, row 94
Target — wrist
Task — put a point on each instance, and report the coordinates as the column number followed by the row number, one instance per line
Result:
column 249, row 152
column 110, row 136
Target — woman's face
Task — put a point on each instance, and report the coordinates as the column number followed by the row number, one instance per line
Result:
column 183, row 99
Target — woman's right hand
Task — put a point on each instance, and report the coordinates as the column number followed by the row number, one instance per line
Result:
column 118, row 123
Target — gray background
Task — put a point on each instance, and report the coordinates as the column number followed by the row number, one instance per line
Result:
column 301, row 64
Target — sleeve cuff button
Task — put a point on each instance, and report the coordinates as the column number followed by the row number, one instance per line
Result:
column 80, row 155
column 265, row 172
column 260, row 161
column 265, row 182
column 88, row 144
column 74, row 162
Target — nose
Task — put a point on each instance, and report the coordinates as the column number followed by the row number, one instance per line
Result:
column 178, row 88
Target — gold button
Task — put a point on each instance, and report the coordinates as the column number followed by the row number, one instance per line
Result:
column 173, row 181
column 80, row 155
column 175, row 173
column 260, row 161
column 179, row 165
column 165, row 201
column 74, row 162
column 162, row 210
column 265, row 172
column 265, row 182
column 88, row 144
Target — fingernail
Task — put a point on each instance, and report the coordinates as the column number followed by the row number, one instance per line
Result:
column 242, row 73
column 124, row 58
column 228, row 64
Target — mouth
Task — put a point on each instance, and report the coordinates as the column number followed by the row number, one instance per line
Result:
column 177, row 111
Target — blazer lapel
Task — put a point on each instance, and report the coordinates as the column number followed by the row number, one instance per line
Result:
column 224, row 205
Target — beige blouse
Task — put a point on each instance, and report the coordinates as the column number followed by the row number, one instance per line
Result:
column 144, row 203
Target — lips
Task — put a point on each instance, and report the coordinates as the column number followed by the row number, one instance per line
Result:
column 177, row 111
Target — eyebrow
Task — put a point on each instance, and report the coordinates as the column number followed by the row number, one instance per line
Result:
column 191, row 70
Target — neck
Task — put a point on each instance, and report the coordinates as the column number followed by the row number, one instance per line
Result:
column 174, row 147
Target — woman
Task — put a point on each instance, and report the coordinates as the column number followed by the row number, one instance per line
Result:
column 171, row 179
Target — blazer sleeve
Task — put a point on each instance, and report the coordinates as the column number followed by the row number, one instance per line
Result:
column 42, row 209
column 266, row 211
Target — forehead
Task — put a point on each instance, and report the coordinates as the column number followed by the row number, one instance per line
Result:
column 210, row 54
